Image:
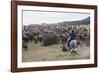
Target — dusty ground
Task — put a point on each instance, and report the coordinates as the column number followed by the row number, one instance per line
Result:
column 36, row 52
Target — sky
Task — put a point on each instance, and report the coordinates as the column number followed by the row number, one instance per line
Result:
column 38, row 17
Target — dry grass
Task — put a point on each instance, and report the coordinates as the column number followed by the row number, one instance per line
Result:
column 36, row 52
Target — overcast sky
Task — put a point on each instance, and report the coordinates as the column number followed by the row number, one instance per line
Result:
column 38, row 17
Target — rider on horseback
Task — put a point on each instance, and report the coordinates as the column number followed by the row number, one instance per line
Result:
column 71, row 37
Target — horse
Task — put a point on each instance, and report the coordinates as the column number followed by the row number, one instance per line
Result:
column 74, row 46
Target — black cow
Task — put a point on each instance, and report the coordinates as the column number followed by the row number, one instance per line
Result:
column 49, row 39
column 25, row 40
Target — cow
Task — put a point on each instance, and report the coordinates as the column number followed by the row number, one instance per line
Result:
column 49, row 39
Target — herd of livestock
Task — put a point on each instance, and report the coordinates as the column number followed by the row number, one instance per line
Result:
column 53, row 33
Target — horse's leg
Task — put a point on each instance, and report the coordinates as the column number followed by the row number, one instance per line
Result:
column 75, row 51
column 72, row 51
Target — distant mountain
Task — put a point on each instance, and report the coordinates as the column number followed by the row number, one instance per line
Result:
column 88, row 18
column 83, row 21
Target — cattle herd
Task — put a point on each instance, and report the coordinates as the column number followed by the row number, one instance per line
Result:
column 49, row 34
